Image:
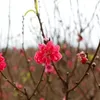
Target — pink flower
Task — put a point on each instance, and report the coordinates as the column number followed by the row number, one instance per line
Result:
column 68, row 53
column 81, row 54
column 80, row 38
column 15, row 68
column 32, row 68
column 64, row 46
column 46, row 39
column 14, row 48
column 21, row 52
column 82, row 57
column 19, row 86
column 84, row 60
column 63, row 98
column 2, row 62
column 41, row 98
column 47, row 53
column 29, row 59
column 49, row 69
column 70, row 64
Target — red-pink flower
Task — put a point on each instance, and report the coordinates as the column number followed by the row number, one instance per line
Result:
column 49, row 69
column 2, row 62
column 21, row 52
column 15, row 68
column 32, row 68
column 41, row 98
column 29, row 59
column 82, row 57
column 14, row 48
column 80, row 38
column 68, row 53
column 63, row 98
column 19, row 86
column 47, row 53
column 84, row 60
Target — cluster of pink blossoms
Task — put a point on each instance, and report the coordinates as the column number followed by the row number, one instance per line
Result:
column 2, row 62
column 47, row 54
column 82, row 57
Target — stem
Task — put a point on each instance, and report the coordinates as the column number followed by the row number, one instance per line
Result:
column 26, row 94
column 75, row 65
column 25, row 55
column 67, row 83
column 58, row 74
column 41, row 28
column 37, row 84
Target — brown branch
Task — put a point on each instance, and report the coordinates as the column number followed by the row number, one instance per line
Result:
column 26, row 94
column 58, row 74
column 94, row 77
column 41, row 28
column 37, row 84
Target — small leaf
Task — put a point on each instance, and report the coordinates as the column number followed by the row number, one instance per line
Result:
column 24, row 79
column 90, row 56
column 28, row 75
column 29, row 11
column 15, row 93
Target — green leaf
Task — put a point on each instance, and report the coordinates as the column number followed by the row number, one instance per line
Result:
column 28, row 75
column 24, row 79
column 29, row 11
column 15, row 93
column 90, row 56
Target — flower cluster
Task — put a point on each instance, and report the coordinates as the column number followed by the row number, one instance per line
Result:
column 2, row 62
column 47, row 54
column 82, row 57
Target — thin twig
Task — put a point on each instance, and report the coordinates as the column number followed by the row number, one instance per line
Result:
column 37, row 84
column 58, row 74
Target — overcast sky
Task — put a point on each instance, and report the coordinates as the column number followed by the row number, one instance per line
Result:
column 19, row 7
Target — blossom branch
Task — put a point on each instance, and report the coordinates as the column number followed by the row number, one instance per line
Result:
column 12, row 83
column 89, row 66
